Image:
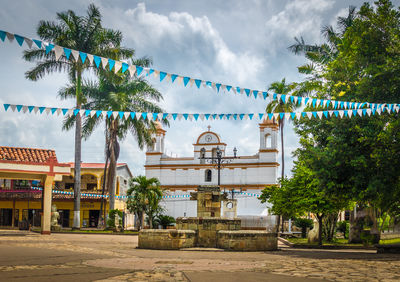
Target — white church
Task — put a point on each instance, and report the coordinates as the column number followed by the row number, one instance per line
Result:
column 248, row 174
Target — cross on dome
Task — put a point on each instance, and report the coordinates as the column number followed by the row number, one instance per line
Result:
column 209, row 128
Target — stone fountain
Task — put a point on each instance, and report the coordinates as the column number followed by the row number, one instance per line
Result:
column 208, row 229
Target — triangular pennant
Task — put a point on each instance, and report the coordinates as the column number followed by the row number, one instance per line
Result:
column 144, row 115
column 298, row 115
column 117, row 66
column 341, row 113
column 58, row 51
column 90, row 58
column 186, row 80
column 87, row 113
column 104, row 62
column 83, row 56
column 92, row 113
column 319, row 113
column 20, row 39
column 67, row 53
column 6, row 106
column 53, row 110
column 132, row 70
column 247, row 91
column 162, row 75
column 75, row 54
column 111, row 64
column 64, row 111
column 139, row 70
column 309, row 115
column 2, row 35
column 125, row 67
column 19, row 108
column 260, row 116
column 24, row 109
column 49, row 47
column 10, row 36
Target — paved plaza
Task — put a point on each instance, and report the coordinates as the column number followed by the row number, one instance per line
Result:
column 79, row 257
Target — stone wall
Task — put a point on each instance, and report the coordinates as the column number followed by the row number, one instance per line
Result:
column 247, row 240
column 207, row 228
column 166, row 239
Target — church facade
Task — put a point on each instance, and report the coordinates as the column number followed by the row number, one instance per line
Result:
column 181, row 175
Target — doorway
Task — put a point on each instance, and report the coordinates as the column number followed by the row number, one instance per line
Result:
column 93, row 218
column 64, row 218
column 6, row 217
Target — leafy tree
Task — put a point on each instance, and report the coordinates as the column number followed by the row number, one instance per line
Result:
column 303, row 223
column 83, row 33
column 144, row 197
column 164, row 220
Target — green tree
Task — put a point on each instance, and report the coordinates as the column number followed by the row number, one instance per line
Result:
column 144, row 197
column 83, row 33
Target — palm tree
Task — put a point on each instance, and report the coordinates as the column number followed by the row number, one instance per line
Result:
column 83, row 33
column 278, row 106
column 118, row 92
column 144, row 198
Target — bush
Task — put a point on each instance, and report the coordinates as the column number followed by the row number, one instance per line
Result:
column 111, row 218
column 303, row 223
column 343, row 226
column 165, row 220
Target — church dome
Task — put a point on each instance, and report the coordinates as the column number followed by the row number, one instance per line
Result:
column 208, row 137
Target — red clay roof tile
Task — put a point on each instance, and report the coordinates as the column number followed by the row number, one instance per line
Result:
column 26, row 154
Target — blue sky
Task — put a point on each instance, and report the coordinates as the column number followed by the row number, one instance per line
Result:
column 240, row 43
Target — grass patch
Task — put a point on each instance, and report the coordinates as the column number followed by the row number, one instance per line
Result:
column 130, row 232
column 390, row 241
column 336, row 242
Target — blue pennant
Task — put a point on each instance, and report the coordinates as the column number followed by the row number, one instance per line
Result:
column 247, row 91
column 150, row 72
column 283, row 98
column 251, row 116
column 238, row 90
column 314, row 114
column 261, row 116
column 255, row 93
column 155, row 115
column 53, row 110
column 214, row 116
column 64, row 111
column 19, row 107
column 306, row 100
column 97, row 61
column 87, row 113
column 270, row 116
column 345, row 113
column 98, row 113
column 186, row 80
column 304, row 114
column 76, row 111
column 218, row 85
column 139, row 70
column 49, row 48
column 348, row 104
column 30, row 108
column 364, row 111
column 235, row 116
column 228, row 116
column 314, row 101
column 174, row 116
column 109, row 113
column 241, row 116
column 281, row 115
column 133, row 115
column 67, row 53
column 336, row 113
column 2, row 35
column 292, row 115
column 299, row 100
column 125, row 66
column 228, row 87
column 111, row 64
column 341, row 105
column 265, row 95
column 354, row 112
column 162, row 75
column 292, row 99
column 164, row 116
column 326, row 114
column 373, row 111
column 221, row 116
column 336, row 104
column 41, row 109
column 196, row 116
column 38, row 43
column 327, row 103
column 198, row 82
column 352, row 105
column 186, row 116
column 207, row 116
column 173, row 77
column 121, row 115
column 19, row 39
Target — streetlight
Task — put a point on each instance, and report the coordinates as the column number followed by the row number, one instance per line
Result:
column 219, row 161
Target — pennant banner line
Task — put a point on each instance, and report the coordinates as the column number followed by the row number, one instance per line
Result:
column 198, row 116
column 116, row 66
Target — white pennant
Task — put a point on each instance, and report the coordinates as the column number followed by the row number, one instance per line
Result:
column 149, row 116
column 345, row 105
column 223, row 87
column 190, row 117
column 59, row 111
column 156, row 73
column 350, row 113
column 278, row 97
column 70, row 112
column 90, row 57
column 295, row 99
column 117, row 66
column 75, row 54
column 10, row 36
column 369, row 111
column 126, row 115
column 180, row 117
column 24, row 109
column 92, row 113
column 287, row 98
column 138, row 115
column 104, row 114
column 104, row 62
column 319, row 114
column 379, row 111
column 47, row 111
column 82, row 113
column 276, row 116
column 179, row 80
column 298, row 115
column 201, row 116
column 13, row 107
column 29, row 42
column 58, row 51
column 35, row 110
column 114, row 115
column 160, row 116
column 191, row 81
column 309, row 115
column 318, row 102
column 341, row 113
column 330, row 113
column 168, row 77
column 287, row 116
column 359, row 112
column 132, row 70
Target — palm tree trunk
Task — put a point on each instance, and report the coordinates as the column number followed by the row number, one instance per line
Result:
column 113, row 164
column 282, row 149
column 102, row 215
column 78, row 154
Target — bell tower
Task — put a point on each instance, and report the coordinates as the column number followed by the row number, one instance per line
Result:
column 268, row 140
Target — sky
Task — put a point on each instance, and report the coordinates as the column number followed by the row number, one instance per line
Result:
column 241, row 43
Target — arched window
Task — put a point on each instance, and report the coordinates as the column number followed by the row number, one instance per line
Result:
column 268, row 141
column 202, row 155
column 208, row 175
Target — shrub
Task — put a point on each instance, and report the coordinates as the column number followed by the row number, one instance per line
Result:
column 343, row 226
column 165, row 220
column 111, row 218
column 303, row 223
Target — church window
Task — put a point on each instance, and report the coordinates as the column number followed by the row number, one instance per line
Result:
column 208, row 175
column 268, row 141
column 214, row 152
column 202, row 155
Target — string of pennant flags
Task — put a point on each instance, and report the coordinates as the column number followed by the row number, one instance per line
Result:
column 91, row 195
column 200, row 116
column 116, row 66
